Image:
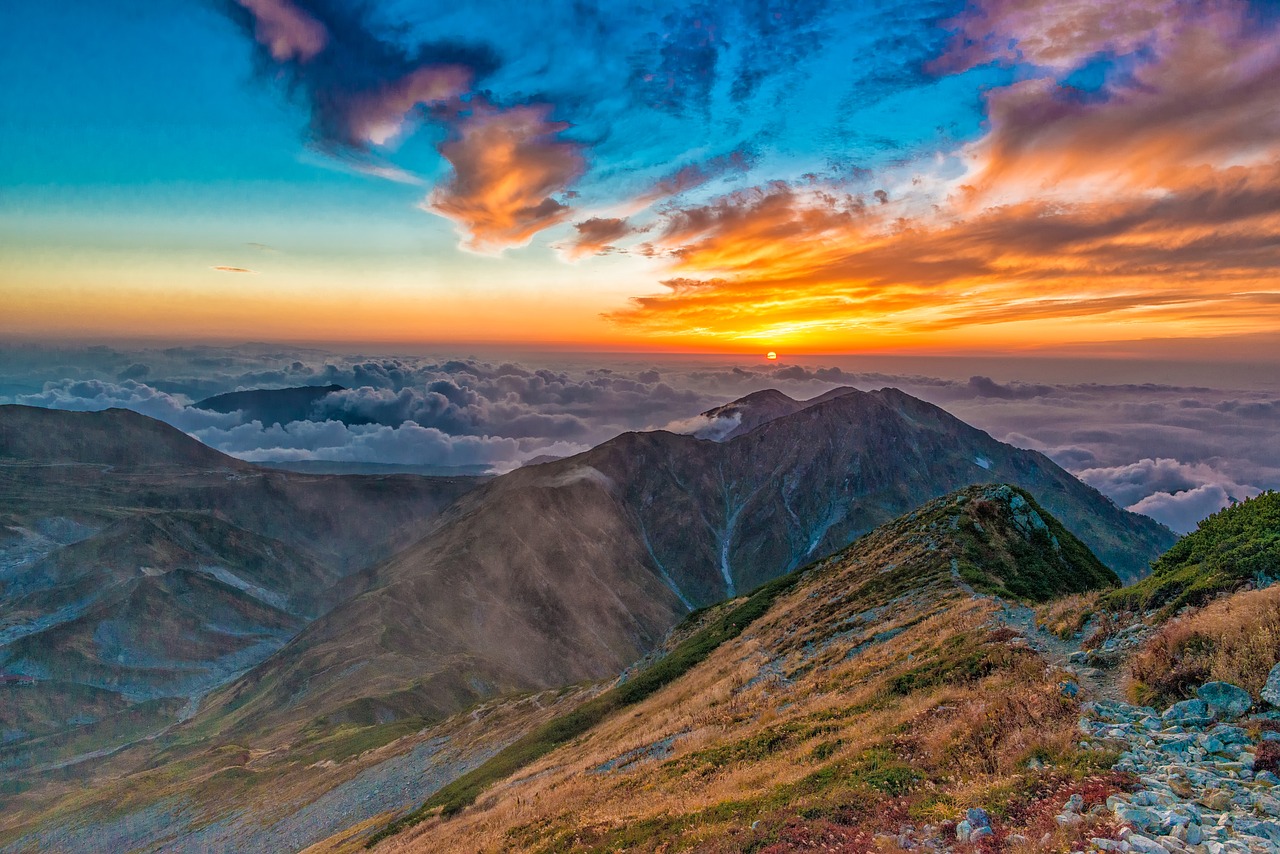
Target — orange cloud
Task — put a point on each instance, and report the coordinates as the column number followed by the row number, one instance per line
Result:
column 1153, row 206
column 808, row 265
column 1209, row 98
column 507, row 165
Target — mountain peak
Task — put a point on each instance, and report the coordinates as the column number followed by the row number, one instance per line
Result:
column 112, row 437
column 745, row 414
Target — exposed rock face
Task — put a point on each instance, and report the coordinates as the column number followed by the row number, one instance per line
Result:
column 1271, row 691
column 571, row 570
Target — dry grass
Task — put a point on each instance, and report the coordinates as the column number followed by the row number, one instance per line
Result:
column 837, row 756
column 1234, row 639
column 1068, row 615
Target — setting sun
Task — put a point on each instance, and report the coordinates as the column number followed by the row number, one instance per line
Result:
column 771, row 356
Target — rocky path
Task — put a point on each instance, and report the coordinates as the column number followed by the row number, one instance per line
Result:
column 1197, row 762
column 1202, row 787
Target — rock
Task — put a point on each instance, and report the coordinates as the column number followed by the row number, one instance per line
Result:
column 1188, row 713
column 1271, row 691
column 977, row 817
column 1216, row 800
column 1225, row 700
column 1145, row 844
column 964, row 831
column 1230, row 735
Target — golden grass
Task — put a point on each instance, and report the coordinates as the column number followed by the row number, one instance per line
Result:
column 1235, row 639
column 1068, row 615
column 968, row 743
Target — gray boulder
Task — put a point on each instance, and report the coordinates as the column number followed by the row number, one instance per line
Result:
column 1225, row 700
column 1188, row 713
column 1271, row 691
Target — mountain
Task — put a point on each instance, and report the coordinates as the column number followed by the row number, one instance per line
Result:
column 873, row 689
column 114, row 437
column 888, row 670
column 271, row 405
column 747, row 413
column 570, row 570
column 140, row 569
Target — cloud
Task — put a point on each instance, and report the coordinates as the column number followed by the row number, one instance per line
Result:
column 222, row 269
column 595, row 236
column 987, row 387
column 406, row 444
column 507, row 165
column 1148, row 445
column 705, row 426
column 361, row 85
column 96, row 395
column 675, row 69
column 1175, row 493
column 1148, row 196
column 695, row 175
column 1183, row 511
column 1056, row 34
column 287, row 32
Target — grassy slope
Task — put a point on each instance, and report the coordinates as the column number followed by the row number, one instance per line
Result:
column 883, row 624
column 1226, row 551
column 814, row 629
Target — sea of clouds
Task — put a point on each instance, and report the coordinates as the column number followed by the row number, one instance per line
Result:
column 1175, row 452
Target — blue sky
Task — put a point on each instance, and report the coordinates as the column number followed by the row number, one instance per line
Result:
column 526, row 172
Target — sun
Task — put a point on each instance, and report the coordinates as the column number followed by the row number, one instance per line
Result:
column 771, row 356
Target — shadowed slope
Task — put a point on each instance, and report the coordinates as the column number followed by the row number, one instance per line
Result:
column 570, row 570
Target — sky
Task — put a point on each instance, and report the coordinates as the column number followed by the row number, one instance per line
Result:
column 1025, row 177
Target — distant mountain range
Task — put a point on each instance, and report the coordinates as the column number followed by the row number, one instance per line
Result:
column 570, row 570
column 146, row 568
column 157, row 589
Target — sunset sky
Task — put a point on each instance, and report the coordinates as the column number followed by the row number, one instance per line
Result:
column 790, row 175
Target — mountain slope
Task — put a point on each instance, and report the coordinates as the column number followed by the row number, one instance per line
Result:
column 570, row 570
column 827, row 706
column 805, row 674
column 141, row 569
column 112, row 437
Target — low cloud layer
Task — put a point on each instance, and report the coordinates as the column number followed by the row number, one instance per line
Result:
column 1177, row 452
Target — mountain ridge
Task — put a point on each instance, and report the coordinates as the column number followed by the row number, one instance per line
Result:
column 611, row 546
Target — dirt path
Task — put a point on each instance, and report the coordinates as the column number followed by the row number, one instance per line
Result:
column 1096, row 683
